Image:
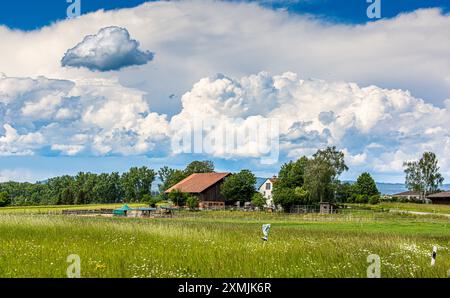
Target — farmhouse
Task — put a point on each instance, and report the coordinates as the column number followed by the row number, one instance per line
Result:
column 440, row 197
column 205, row 186
column 266, row 190
column 409, row 195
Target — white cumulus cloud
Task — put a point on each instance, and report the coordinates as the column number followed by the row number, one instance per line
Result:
column 110, row 49
column 82, row 112
column 374, row 126
column 94, row 117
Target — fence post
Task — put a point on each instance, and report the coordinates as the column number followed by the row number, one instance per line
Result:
column 433, row 255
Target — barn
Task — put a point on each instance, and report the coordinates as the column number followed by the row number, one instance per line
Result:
column 440, row 197
column 205, row 186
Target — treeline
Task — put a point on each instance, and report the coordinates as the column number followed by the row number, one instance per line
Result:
column 89, row 188
column 306, row 181
column 84, row 188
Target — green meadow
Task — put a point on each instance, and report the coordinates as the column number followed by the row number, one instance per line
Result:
column 222, row 244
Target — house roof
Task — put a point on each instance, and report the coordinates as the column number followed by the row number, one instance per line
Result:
column 259, row 182
column 444, row 194
column 198, row 182
column 273, row 179
column 408, row 193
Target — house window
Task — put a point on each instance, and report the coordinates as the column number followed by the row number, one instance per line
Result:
column 267, row 186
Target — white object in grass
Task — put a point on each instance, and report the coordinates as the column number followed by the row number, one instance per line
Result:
column 266, row 229
column 433, row 256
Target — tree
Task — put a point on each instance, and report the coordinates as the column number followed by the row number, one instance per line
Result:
column 302, row 195
column 177, row 197
column 206, row 166
column 285, row 197
column 258, row 200
column 107, row 188
column 335, row 159
column 288, row 189
column 413, row 177
column 319, row 181
column 429, row 168
column 365, row 185
column 292, row 173
column 423, row 175
column 83, row 188
column 322, row 172
column 345, row 191
column 147, row 198
column 239, row 186
column 4, row 199
column 62, row 190
column 137, row 182
column 169, row 177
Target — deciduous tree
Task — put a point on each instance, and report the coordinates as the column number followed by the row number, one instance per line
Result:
column 239, row 186
column 423, row 175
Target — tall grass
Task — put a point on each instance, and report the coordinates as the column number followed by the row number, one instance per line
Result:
column 44, row 209
column 432, row 208
column 222, row 244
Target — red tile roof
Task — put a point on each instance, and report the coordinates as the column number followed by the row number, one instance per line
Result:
column 198, row 182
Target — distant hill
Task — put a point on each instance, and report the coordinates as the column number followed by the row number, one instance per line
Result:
column 393, row 188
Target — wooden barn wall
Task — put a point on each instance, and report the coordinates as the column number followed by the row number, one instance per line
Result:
column 212, row 193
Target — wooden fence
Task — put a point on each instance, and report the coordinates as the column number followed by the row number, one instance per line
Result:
column 91, row 211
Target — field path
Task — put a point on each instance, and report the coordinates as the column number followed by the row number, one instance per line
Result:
column 419, row 212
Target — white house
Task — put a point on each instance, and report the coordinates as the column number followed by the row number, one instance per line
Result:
column 266, row 190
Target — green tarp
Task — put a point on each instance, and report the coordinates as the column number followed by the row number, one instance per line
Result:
column 122, row 210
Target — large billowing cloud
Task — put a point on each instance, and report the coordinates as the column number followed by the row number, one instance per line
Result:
column 195, row 39
column 90, row 117
column 84, row 112
column 110, row 49
column 377, row 128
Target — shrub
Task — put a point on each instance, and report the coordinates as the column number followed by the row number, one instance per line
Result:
column 375, row 199
column 351, row 199
column 285, row 197
column 146, row 198
column 192, row 202
column 164, row 203
column 154, row 201
column 178, row 197
column 258, row 200
column 4, row 199
column 361, row 199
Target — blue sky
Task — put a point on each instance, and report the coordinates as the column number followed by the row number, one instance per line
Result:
column 32, row 14
column 114, row 89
